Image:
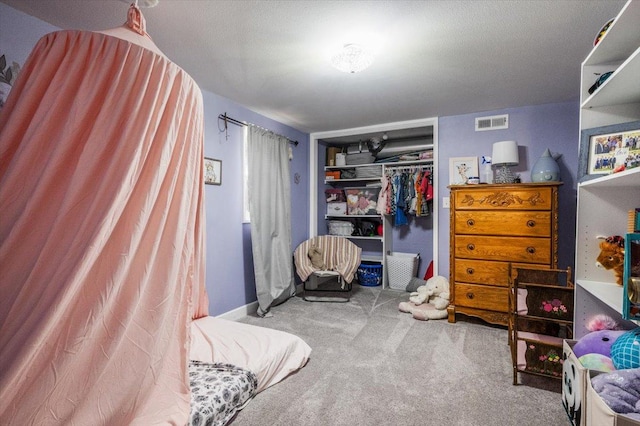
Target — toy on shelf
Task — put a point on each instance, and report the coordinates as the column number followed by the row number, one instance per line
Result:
column 612, row 256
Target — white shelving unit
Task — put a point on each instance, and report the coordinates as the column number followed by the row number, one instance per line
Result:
column 384, row 239
column 604, row 202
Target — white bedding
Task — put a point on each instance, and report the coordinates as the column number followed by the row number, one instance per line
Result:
column 270, row 354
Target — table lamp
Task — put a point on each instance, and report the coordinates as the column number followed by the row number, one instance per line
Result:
column 503, row 156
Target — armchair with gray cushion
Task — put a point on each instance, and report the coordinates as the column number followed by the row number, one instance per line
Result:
column 327, row 256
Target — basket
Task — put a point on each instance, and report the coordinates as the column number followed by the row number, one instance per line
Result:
column 401, row 268
column 370, row 275
column 342, row 228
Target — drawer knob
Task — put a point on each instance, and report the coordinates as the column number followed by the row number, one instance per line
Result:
column 470, row 296
column 470, row 271
column 471, row 222
column 531, row 223
column 531, row 250
column 470, row 247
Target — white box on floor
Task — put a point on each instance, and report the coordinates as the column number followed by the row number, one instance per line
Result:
column 599, row 413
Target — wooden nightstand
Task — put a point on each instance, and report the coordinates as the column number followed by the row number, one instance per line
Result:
column 490, row 227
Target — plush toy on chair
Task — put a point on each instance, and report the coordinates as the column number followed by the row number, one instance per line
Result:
column 430, row 301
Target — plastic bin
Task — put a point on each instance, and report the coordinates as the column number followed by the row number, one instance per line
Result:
column 401, row 268
column 370, row 274
column 362, row 201
column 341, row 228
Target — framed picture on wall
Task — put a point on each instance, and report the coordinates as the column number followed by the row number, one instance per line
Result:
column 461, row 169
column 212, row 171
column 608, row 149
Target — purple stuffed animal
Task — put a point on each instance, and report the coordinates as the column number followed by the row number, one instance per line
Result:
column 603, row 335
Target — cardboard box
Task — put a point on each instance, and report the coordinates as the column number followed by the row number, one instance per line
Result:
column 599, row 413
column 331, row 155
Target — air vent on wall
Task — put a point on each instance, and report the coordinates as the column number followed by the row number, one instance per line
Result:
column 494, row 122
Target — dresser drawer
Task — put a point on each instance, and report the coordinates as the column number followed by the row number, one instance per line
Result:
column 481, row 272
column 512, row 198
column 508, row 249
column 516, row 223
column 481, row 297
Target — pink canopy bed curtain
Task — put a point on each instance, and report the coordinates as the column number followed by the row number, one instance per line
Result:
column 101, row 233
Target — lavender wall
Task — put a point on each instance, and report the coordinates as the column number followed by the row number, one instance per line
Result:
column 535, row 128
column 19, row 32
column 229, row 276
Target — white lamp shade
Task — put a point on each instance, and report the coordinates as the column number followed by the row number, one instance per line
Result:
column 505, row 153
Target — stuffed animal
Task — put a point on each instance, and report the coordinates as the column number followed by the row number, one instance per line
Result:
column 317, row 260
column 436, row 292
column 607, row 348
column 603, row 333
column 625, row 351
column 429, row 301
column 612, row 256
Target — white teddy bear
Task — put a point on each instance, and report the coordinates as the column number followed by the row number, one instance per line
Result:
column 436, row 292
column 430, row 301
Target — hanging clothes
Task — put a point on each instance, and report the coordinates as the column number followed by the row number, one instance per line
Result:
column 101, row 234
column 400, row 202
column 408, row 192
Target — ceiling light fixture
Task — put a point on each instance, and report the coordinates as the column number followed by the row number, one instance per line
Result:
column 352, row 58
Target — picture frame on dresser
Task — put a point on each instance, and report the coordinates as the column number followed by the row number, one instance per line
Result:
column 596, row 152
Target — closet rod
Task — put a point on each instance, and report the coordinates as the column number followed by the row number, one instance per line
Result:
column 409, row 168
column 228, row 119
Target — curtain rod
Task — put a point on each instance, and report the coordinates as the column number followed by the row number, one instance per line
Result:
column 228, row 119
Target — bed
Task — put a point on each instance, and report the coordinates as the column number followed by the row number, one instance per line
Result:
column 231, row 362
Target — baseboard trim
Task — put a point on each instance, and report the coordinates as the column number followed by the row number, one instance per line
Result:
column 240, row 312
column 249, row 309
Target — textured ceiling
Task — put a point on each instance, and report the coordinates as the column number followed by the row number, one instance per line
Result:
column 435, row 58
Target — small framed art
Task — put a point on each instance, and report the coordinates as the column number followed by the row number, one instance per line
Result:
column 212, row 171
column 461, row 169
column 608, row 149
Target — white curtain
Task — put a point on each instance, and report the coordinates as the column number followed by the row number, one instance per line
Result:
column 270, row 210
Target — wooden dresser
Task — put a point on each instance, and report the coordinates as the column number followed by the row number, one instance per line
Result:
column 491, row 226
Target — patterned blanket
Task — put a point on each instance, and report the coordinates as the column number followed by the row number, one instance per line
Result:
column 218, row 391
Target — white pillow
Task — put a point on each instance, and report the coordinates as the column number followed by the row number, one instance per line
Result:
column 270, row 354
